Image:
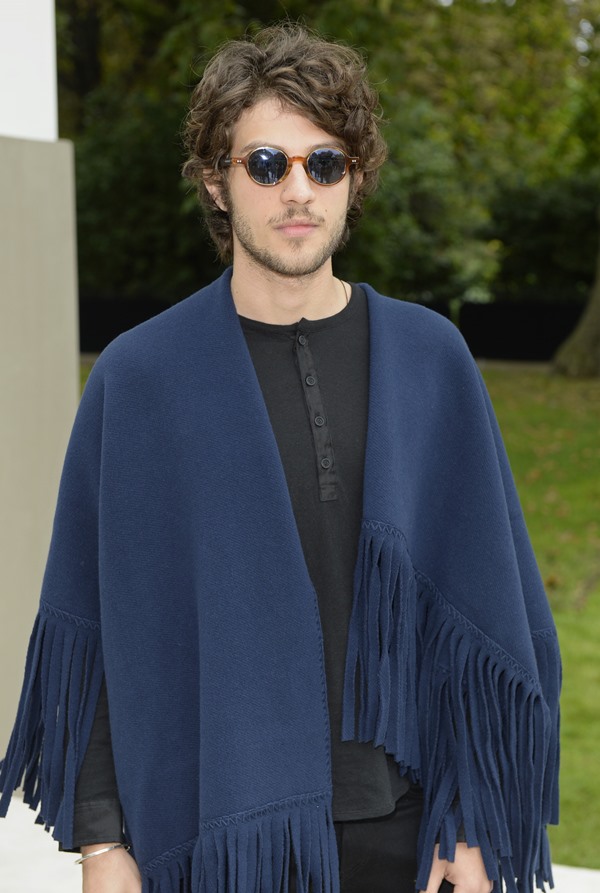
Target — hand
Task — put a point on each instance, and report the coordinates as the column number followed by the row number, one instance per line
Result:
column 467, row 872
column 114, row 872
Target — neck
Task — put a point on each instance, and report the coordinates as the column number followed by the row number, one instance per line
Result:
column 270, row 297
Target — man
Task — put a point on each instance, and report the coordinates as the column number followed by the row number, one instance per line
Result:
column 288, row 556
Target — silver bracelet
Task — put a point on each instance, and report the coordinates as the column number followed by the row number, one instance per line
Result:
column 107, row 849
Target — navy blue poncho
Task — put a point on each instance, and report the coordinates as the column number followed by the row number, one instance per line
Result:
column 176, row 571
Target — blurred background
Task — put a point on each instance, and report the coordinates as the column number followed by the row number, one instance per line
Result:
column 488, row 207
column 488, row 211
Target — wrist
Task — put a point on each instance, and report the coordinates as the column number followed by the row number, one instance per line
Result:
column 92, row 847
column 100, row 857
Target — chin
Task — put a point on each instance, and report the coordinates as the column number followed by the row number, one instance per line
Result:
column 297, row 261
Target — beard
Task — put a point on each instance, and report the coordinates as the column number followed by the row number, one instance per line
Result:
column 307, row 261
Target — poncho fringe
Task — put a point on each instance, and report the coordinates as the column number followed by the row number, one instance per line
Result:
column 452, row 721
column 253, row 852
column 63, row 676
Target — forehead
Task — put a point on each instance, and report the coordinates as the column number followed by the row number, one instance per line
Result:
column 268, row 122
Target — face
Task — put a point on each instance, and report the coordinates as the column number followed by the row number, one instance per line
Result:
column 294, row 227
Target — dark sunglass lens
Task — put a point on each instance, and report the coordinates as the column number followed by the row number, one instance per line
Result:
column 327, row 166
column 267, row 166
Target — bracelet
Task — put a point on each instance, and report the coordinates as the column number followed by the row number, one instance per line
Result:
column 107, row 849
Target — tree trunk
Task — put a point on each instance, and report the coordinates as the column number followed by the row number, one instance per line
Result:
column 579, row 355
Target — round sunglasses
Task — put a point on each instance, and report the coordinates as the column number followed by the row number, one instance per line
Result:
column 268, row 166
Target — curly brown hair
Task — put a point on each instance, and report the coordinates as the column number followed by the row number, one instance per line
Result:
column 326, row 82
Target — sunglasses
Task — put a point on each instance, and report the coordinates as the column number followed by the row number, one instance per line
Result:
column 268, row 166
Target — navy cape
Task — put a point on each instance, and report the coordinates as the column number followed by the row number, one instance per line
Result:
column 176, row 570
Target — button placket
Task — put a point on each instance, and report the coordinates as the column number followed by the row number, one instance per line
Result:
column 325, row 464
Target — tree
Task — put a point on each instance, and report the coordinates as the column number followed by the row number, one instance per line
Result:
column 138, row 231
column 472, row 91
column 125, row 67
column 417, row 232
column 579, row 355
column 498, row 79
column 546, row 232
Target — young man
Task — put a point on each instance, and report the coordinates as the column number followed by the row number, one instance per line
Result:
column 288, row 556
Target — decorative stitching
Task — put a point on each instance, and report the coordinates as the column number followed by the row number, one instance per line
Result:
column 267, row 809
column 548, row 633
column 47, row 608
column 224, row 821
column 323, row 683
column 477, row 633
column 456, row 614
column 384, row 527
column 182, row 850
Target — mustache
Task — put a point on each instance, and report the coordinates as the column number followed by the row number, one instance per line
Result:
column 292, row 216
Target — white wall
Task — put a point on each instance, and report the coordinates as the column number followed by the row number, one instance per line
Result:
column 28, row 104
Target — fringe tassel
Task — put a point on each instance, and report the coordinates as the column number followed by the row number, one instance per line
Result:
column 487, row 748
column 63, row 676
column 380, row 685
column 254, row 852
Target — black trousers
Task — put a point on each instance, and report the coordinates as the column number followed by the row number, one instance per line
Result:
column 379, row 855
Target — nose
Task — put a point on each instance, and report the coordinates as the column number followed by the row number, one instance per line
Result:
column 297, row 187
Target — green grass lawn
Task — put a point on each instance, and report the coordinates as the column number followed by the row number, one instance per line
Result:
column 551, row 428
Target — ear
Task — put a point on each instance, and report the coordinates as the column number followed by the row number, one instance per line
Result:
column 214, row 187
column 357, row 179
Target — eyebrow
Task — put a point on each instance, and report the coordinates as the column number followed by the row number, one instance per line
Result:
column 261, row 144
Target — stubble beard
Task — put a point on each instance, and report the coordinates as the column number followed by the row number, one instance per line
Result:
column 305, row 264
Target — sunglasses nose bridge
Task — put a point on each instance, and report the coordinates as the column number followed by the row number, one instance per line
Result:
column 293, row 160
column 298, row 185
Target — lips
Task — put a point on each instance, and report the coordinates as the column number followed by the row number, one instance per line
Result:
column 297, row 228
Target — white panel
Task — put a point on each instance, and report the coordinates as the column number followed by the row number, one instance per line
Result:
column 28, row 103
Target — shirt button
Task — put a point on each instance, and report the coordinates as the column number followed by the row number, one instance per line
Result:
column 319, row 421
column 302, row 339
column 326, row 463
column 310, row 380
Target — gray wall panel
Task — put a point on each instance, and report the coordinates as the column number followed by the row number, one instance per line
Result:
column 38, row 380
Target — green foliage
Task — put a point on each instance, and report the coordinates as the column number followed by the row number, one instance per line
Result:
column 135, row 239
column 502, row 75
column 416, row 229
column 547, row 238
column 139, row 234
column 477, row 95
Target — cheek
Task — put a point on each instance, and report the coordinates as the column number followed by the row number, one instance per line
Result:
column 345, row 200
column 334, row 201
column 249, row 200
